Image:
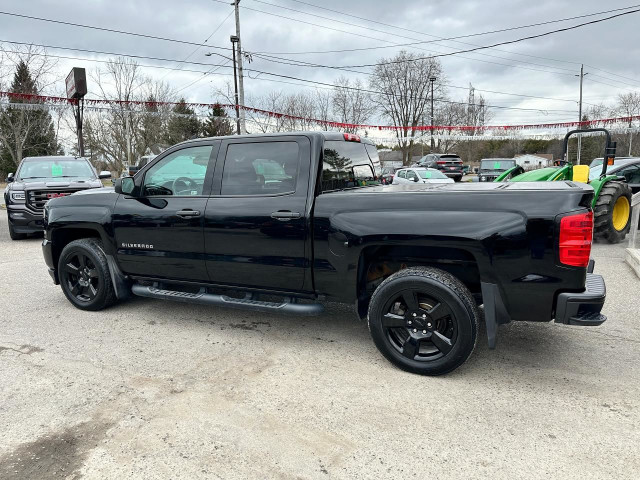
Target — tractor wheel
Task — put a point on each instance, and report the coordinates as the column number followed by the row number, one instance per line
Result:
column 612, row 212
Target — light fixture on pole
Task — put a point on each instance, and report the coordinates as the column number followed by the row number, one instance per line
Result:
column 234, row 40
column 432, row 80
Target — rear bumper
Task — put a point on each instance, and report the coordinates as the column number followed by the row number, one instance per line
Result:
column 583, row 308
column 24, row 220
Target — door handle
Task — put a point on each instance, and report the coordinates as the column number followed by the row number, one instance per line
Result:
column 188, row 213
column 285, row 215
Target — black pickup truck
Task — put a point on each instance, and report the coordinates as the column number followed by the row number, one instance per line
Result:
column 38, row 180
column 281, row 223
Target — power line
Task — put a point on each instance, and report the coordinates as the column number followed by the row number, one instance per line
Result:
column 324, row 8
column 168, row 39
column 383, row 40
column 206, row 74
column 289, row 77
column 508, row 42
column 420, row 42
column 99, row 52
column 351, row 15
column 65, row 57
column 301, row 63
column 111, row 30
column 198, row 47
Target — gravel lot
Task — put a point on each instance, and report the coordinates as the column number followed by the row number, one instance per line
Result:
column 150, row 389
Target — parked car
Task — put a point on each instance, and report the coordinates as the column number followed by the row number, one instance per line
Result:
column 492, row 168
column 387, row 175
column 628, row 167
column 598, row 161
column 448, row 163
column 420, row 175
column 133, row 169
column 199, row 225
column 39, row 179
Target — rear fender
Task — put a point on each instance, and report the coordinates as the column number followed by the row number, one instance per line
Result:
column 598, row 184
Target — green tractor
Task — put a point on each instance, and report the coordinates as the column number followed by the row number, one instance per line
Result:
column 612, row 200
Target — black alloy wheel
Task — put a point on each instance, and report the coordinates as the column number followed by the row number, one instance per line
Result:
column 424, row 320
column 84, row 275
column 420, row 327
column 81, row 277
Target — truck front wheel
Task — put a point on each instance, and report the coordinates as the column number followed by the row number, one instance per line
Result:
column 424, row 320
column 15, row 235
column 84, row 275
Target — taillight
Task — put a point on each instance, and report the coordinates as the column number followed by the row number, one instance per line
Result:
column 351, row 137
column 441, row 162
column 576, row 236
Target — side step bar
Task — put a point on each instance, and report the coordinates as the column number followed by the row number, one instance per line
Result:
column 203, row 298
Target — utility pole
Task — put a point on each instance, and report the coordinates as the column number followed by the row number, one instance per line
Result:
column 243, row 128
column 579, row 116
column 433, row 145
column 234, row 39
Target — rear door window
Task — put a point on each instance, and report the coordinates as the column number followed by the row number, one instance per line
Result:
column 260, row 168
column 343, row 166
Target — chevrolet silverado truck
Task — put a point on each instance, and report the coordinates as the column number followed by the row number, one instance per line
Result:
column 286, row 222
column 39, row 179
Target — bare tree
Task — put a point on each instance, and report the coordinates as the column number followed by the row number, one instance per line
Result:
column 124, row 131
column 405, row 94
column 323, row 100
column 628, row 105
column 351, row 104
column 599, row 111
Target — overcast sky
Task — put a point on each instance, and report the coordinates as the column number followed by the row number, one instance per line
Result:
column 541, row 67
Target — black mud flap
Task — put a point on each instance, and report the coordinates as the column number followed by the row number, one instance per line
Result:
column 495, row 313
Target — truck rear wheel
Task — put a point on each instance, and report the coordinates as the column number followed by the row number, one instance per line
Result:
column 84, row 275
column 424, row 320
column 612, row 212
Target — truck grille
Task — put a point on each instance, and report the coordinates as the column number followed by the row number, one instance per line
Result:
column 37, row 198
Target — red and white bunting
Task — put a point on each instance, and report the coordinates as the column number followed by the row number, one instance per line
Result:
column 25, row 97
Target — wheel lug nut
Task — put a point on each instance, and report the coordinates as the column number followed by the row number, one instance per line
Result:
column 429, row 325
column 415, row 331
column 410, row 322
column 414, row 315
column 424, row 331
column 424, row 316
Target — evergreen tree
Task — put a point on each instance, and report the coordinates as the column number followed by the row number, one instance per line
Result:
column 183, row 126
column 25, row 133
column 217, row 123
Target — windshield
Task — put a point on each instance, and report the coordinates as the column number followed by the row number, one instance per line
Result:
column 595, row 172
column 431, row 174
column 496, row 164
column 56, row 168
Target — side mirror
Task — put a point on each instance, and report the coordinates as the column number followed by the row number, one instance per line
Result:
column 416, row 179
column 104, row 174
column 476, row 169
column 124, row 185
column 10, row 178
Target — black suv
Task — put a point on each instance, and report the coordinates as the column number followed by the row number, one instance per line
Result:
column 448, row 163
column 38, row 180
